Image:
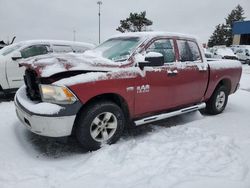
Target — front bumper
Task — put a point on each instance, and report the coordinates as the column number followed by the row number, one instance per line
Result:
column 52, row 125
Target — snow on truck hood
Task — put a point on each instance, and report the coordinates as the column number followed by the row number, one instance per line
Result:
column 47, row 65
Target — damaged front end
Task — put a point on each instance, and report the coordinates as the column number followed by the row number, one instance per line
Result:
column 32, row 81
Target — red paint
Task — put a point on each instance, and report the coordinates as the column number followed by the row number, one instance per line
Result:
column 188, row 87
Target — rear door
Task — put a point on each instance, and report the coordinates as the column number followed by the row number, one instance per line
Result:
column 14, row 72
column 191, row 74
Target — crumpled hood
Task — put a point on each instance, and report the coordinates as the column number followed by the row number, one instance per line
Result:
column 47, row 65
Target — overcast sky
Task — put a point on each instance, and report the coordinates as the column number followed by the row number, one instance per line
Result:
column 56, row 19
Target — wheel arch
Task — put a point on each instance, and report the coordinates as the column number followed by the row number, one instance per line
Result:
column 225, row 82
column 112, row 97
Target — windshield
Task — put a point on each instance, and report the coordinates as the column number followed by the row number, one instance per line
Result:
column 118, row 49
column 8, row 49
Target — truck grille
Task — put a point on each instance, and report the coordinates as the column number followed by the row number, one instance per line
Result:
column 31, row 82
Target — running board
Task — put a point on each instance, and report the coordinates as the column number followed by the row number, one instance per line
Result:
column 170, row 114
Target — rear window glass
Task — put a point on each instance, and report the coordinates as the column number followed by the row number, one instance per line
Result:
column 188, row 50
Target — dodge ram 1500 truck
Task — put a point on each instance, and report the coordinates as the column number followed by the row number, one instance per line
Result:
column 130, row 79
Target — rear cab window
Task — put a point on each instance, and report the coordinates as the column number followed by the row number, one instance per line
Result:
column 188, row 51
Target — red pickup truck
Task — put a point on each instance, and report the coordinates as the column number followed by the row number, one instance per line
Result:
column 130, row 79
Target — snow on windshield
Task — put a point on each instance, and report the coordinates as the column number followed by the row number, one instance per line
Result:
column 118, row 49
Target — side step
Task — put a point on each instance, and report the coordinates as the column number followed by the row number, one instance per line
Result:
column 170, row 114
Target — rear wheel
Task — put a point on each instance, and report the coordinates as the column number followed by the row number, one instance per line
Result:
column 218, row 101
column 100, row 123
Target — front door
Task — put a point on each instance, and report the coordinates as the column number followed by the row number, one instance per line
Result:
column 155, row 86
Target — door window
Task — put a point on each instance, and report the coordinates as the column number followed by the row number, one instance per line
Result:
column 188, row 50
column 34, row 50
column 165, row 47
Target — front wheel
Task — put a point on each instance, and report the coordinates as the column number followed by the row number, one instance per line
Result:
column 100, row 123
column 218, row 101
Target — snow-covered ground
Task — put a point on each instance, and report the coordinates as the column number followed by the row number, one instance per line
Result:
column 189, row 151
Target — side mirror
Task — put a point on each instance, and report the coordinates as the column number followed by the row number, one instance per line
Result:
column 16, row 55
column 152, row 59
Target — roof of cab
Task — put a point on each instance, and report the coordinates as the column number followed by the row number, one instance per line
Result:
column 152, row 34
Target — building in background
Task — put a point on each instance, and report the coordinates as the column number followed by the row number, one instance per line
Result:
column 241, row 32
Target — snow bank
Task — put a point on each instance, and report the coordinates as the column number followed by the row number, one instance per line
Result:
column 199, row 151
column 165, row 158
column 35, row 107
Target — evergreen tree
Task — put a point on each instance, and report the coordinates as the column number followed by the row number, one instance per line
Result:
column 219, row 36
column 223, row 32
column 135, row 22
column 235, row 15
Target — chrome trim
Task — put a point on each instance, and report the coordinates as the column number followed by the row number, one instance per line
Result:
column 170, row 114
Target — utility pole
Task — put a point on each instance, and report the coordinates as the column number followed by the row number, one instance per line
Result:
column 74, row 35
column 99, row 14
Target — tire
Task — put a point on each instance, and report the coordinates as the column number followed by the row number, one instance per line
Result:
column 100, row 123
column 218, row 101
